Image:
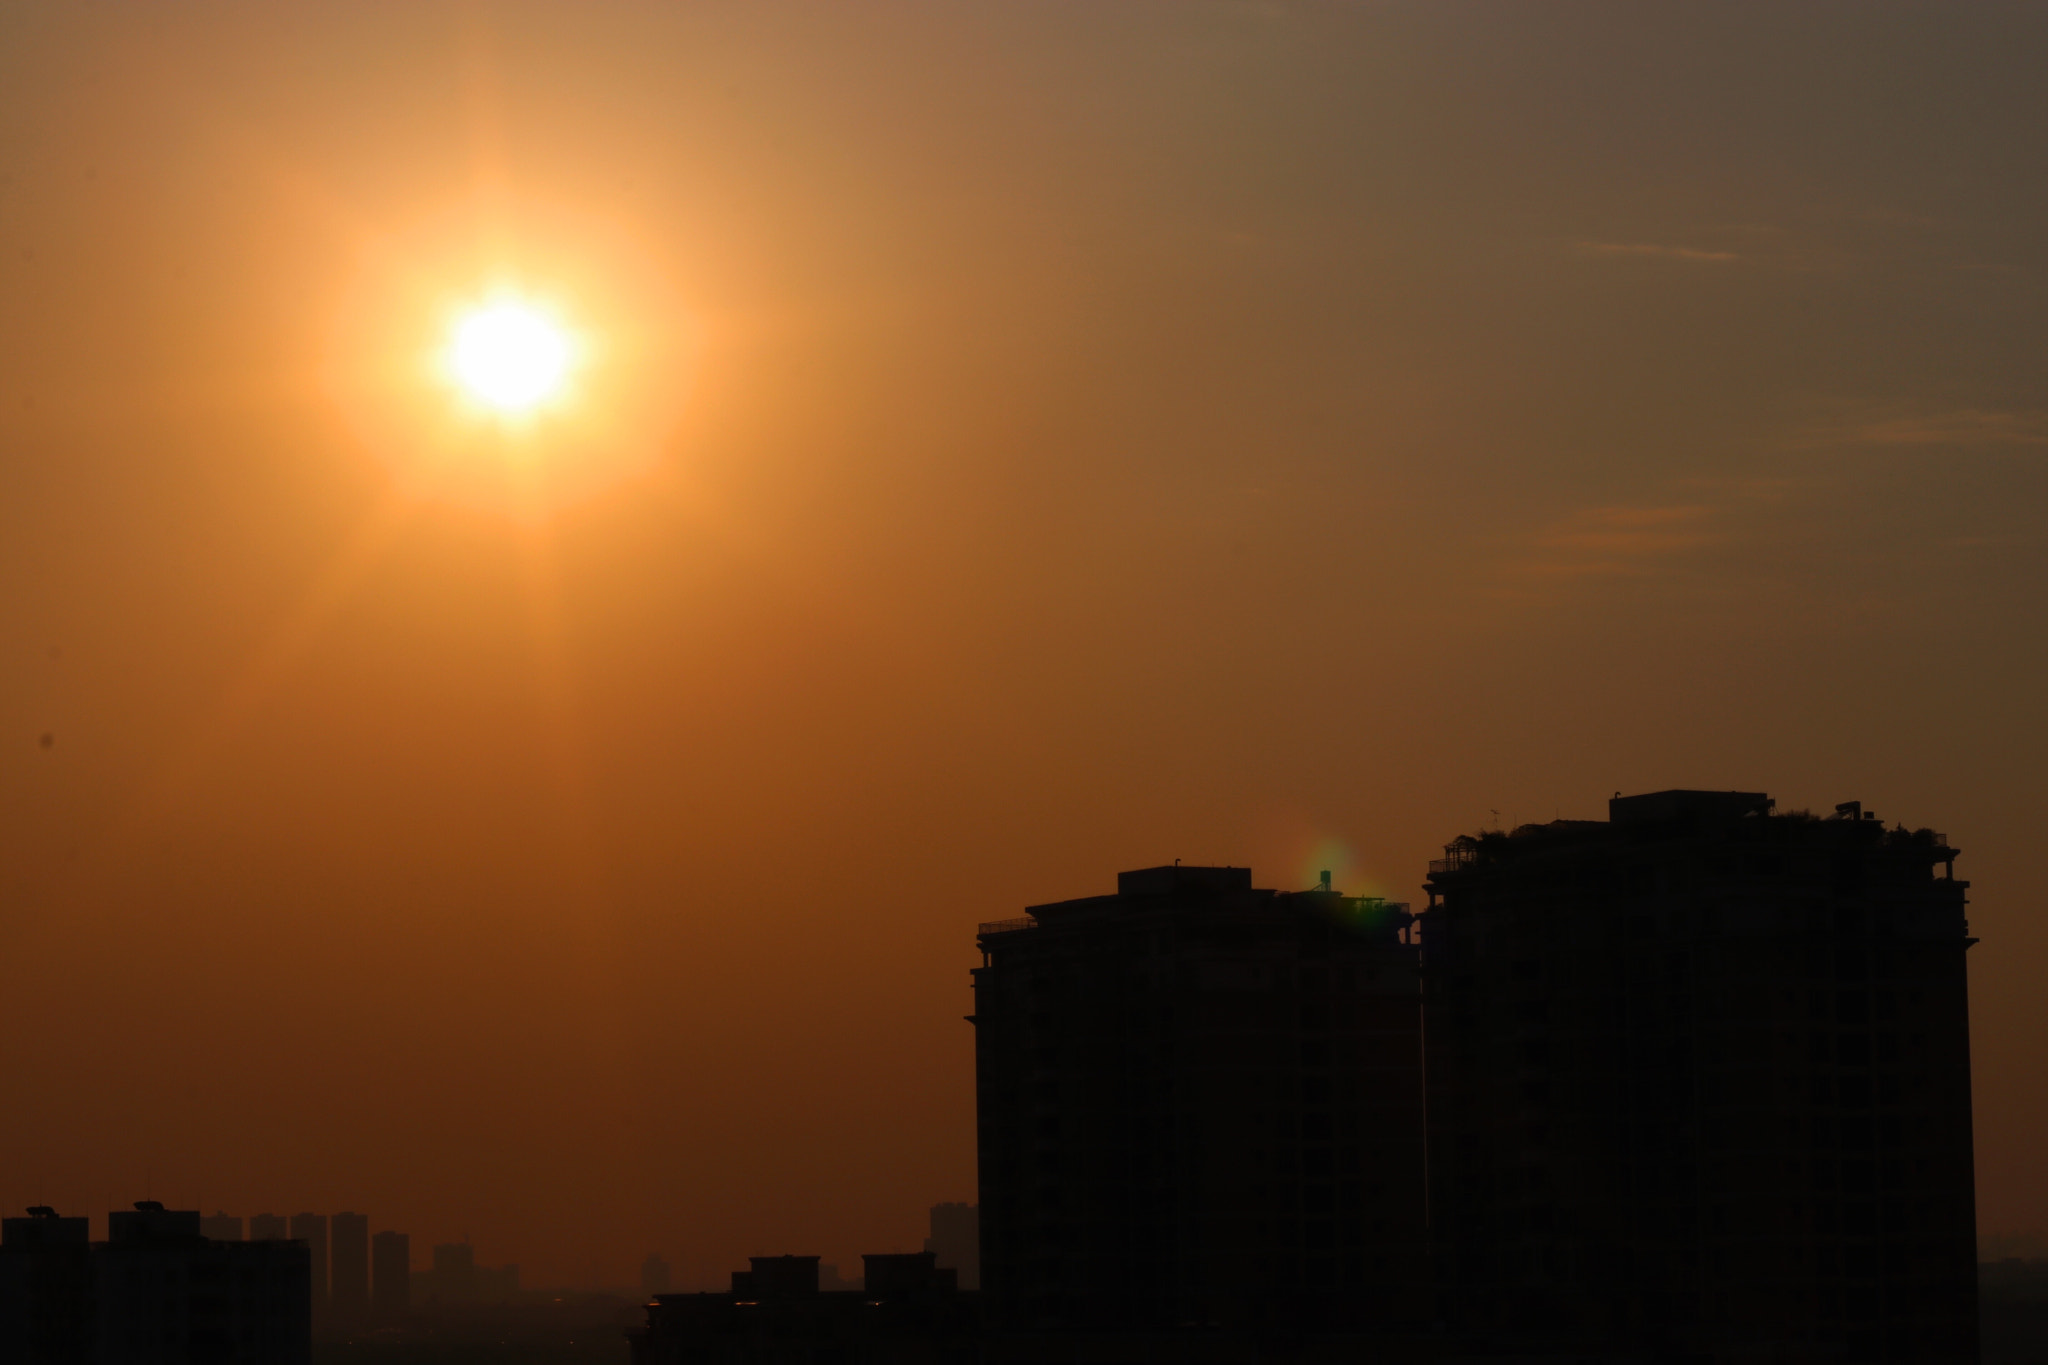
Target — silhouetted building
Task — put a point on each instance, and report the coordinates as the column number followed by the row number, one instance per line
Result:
column 909, row 1313
column 776, row 1277
column 165, row 1294
column 903, row 1274
column 348, row 1272
column 1200, row 1104
column 956, row 1240
column 46, row 1289
column 1699, row 1085
column 156, row 1291
column 457, row 1278
column 311, row 1228
column 269, row 1227
column 221, row 1227
column 654, row 1276
column 391, row 1271
column 453, row 1278
column 497, row 1283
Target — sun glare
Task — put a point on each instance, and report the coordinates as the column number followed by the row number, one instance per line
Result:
column 510, row 356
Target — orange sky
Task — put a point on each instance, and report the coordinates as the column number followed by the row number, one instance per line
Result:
column 1041, row 440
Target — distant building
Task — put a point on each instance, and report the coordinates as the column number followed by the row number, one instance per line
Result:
column 155, row 1291
column 348, row 1272
column 956, row 1240
column 497, row 1283
column 1200, row 1104
column 453, row 1278
column 221, row 1227
column 311, row 1228
column 457, row 1278
column 1699, row 1085
column 269, row 1227
column 391, row 1274
column 654, row 1275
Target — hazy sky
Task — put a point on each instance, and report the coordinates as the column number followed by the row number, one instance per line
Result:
column 1024, row 441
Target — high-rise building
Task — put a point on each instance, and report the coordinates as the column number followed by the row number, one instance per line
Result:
column 46, row 1289
column 1699, row 1085
column 311, row 1228
column 165, row 1293
column 956, row 1241
column 654, row 1275
column 157, row 1290
column 391, row 1274
column 348, row 1271
column 221, row 1227
column 454, row 1274
column 1199, row 1102
column 269, row 1227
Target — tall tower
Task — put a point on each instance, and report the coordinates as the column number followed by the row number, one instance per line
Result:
column 349, row 1271
column 311, row 1228
column 391, row 1270
column 1200, row 1102
column 654, row 1276
column 1699, row 1083
column 956, row 1241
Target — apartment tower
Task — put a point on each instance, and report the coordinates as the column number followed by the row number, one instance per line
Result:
column 349, row 1266
column 1699, row 1085
column 1199, row 1103
column 311, row 1228
column 391, row 1274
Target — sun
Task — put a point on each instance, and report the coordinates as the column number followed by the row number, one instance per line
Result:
column 510, row 356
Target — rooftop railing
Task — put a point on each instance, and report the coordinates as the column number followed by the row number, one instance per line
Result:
column 1006, row 926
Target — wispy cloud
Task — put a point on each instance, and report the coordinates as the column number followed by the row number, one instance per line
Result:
column 1962, row 427
column 1608, row 541
column 1651, row 249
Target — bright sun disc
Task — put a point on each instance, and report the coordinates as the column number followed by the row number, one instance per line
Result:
column 509, row 356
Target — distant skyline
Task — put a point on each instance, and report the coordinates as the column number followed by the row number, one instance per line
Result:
column 1011, row 443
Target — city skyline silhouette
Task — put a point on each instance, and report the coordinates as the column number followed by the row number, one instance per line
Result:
column 556, row 559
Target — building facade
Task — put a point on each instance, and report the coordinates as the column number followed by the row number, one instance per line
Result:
column 156, row 1292
column 311, row 1228
column 46, row 1289
column 1699, row 1084
column 391, row 1274
column 348, row 1271
column 654, row 1275
column 956, row 1240
column 1200, row 1105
